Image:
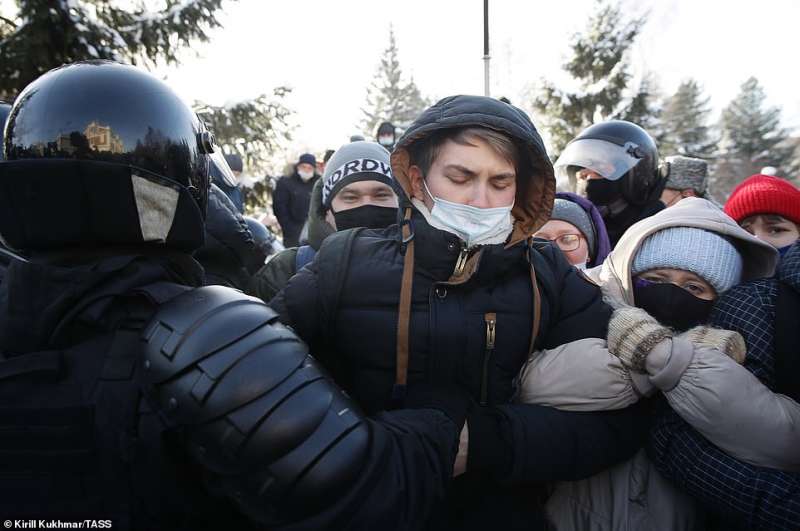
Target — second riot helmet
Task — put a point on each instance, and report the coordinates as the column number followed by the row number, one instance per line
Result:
column 615, row 150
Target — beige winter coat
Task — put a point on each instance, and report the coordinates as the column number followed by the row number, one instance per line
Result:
column 718, row 397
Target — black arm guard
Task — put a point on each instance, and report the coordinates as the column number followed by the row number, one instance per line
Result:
column 256, row 409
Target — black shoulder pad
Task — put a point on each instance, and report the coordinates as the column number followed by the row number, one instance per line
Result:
column 255, row 407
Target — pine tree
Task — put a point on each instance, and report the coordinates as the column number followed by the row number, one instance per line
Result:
column 684, row 123
column 643, row 108
column 600, row 65
column 752, row 138
column 256, row 130
column 389, row 98
column 44, row 34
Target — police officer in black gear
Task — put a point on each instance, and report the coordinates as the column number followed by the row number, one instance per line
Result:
column 223, row 176
column 229, row 255
column 615, row 165
column 129, row 392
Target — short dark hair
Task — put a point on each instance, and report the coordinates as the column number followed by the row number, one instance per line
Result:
column 424, row 152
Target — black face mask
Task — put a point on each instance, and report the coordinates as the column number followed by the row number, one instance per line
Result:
column 603, row 192
column 671, row 305
column 367, row 216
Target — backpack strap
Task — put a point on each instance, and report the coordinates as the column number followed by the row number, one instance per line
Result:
column 305, row 255
column 404, row 307
column 537, row 300
column 339, row 273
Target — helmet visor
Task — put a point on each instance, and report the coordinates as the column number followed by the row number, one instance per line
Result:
column 610, row 161
column 221, row 171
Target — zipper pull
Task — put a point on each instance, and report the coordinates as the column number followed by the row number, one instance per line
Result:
column 491, row 321
column 461, row 263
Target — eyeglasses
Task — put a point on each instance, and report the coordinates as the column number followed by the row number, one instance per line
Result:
column 566, row 242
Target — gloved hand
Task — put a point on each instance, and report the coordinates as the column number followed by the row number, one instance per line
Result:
column 633, row 334
column 726, row 341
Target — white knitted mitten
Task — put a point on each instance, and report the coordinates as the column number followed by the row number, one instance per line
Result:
column 726, row 341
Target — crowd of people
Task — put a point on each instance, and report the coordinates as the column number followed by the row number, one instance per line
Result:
column 454, row 333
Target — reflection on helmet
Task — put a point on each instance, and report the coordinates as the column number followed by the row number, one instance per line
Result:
column 103, row 154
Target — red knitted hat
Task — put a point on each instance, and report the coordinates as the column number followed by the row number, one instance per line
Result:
column 764, row 194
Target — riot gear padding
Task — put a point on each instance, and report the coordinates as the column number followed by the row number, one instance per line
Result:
column 82, row 121
column 615, row 150
column 256, row 409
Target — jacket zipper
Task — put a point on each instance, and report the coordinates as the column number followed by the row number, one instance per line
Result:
column 491, row 321
column 461, row 263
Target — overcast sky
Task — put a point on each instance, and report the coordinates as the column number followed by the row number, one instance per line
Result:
column 328, row 51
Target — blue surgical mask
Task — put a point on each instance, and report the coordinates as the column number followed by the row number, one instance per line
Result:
column 475, row 226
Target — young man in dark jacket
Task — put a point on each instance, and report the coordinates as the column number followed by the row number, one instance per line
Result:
column 459, row 295
column 292, row 196
column 356, row 190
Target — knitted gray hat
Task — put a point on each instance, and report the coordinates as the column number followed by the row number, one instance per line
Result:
column 687, row 173
column 704, row 253
column 353, row 162
column 565, row 210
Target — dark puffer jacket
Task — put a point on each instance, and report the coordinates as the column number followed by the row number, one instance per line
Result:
column 469, row 326
column 448, row 343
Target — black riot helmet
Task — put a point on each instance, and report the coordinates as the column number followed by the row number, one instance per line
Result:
column 617, row 151
column 103, row 154
column 5, row 109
